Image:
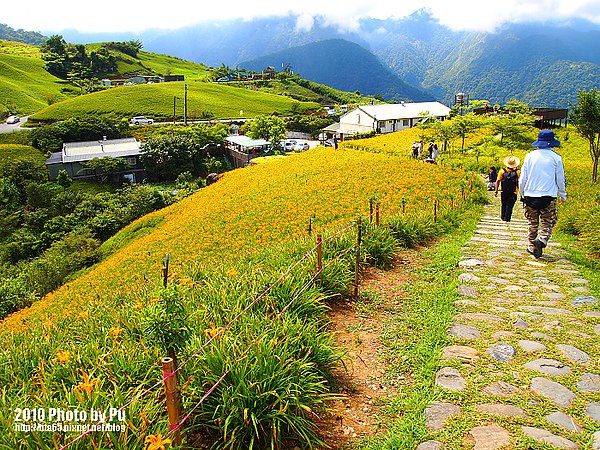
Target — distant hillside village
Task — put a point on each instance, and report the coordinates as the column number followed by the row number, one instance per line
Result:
column 140, row 79
column 241, row 150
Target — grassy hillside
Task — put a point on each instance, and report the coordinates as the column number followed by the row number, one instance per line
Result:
column 156, row 100
column 94, row 342
column 25, row 86
column 148, row 63
column 10, row 152
column 304, row 90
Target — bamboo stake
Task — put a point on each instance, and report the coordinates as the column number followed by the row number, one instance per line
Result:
column 172, row 396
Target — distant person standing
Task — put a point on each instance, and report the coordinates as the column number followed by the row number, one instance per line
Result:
column 434, row 153
column 430, row 150
column 542, row 182
column 508, row 178
column 420, row 149
column 491, row 178
column 415, row 150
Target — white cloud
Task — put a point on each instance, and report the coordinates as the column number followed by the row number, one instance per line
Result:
column 46, row 16
column 304, row 22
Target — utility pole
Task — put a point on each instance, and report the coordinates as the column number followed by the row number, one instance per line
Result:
column 174, row 106
column 185, row 104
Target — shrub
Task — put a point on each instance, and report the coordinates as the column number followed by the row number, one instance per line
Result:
column 75, row 251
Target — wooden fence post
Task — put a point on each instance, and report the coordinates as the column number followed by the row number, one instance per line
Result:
column 403, row 204
column 310, row 225
column 370, row 210
column 166, row 269
column 357, row 262
column 319, row 254
column 435, row 208
column 172, row 395
column 377, row 214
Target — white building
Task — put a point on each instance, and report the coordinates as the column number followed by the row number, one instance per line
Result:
column 387, row 118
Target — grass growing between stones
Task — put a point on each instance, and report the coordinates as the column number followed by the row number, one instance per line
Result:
column 415, row 337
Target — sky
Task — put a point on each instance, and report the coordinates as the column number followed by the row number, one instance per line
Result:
column 137, row 15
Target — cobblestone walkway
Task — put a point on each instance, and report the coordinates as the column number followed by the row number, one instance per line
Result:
column 522, row 370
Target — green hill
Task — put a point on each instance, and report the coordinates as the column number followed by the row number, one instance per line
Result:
column 147, row 63
column 25, row 86
column 156, row 100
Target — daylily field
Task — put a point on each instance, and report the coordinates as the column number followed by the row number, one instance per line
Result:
column 95, row 343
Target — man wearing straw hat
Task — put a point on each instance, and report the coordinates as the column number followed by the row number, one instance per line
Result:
column 542, row 182
column 508, row 178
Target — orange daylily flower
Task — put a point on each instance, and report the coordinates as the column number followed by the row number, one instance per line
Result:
column 62, row 356
column 88, row 385
column 156, row 442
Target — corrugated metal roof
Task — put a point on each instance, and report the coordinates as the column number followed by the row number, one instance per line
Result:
column 404, row 110
column 84, row 151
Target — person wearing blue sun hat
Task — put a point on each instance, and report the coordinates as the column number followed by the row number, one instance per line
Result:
column 541, row 183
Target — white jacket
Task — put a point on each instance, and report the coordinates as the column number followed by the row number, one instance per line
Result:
column 543, row 174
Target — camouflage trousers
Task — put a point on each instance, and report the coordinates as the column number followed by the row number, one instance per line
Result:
column 541, row 223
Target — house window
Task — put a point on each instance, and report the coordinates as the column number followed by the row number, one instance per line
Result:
column 131, row 160
column 405, row 122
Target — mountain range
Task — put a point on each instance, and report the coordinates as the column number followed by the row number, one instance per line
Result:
column 543, row 64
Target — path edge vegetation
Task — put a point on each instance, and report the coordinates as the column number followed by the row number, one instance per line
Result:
column 415, row 336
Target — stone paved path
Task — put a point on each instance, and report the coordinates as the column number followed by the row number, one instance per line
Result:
column 522, row 369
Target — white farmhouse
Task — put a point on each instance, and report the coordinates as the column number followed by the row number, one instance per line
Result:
column 387, row 118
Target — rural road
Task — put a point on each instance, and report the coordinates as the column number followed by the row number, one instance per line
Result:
column 6, row 128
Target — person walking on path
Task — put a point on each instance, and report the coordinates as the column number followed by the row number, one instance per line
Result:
column 542, row 181
column 508, row 178
column 491, row 178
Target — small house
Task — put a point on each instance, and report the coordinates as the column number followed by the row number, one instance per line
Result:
column 387, row 118
column 74, row 155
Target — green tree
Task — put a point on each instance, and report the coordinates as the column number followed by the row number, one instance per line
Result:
column 510, row 125
column 63, row 179
column 54, row 53
column 269, row 128
column 586, row 118
column 517, row 107
column 464, row 125
column 165, row 157
column 106, row 167
column 438, row 131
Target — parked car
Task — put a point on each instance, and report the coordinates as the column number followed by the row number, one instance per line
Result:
column 288, row 146
column 141, row 120
column 301, row 146
column 13, row 119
